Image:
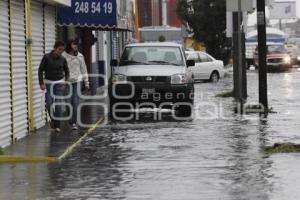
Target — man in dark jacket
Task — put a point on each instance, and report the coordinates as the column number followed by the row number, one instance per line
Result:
column 53, row 72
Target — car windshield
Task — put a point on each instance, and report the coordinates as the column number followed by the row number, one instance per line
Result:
column 296, row 51
column 152, row 55
column 276, row 49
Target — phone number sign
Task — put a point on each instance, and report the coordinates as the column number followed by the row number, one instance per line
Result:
column 89, row 13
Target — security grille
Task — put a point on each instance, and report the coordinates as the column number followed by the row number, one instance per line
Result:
column 50, row 27
column 37, row 55
column 19, row 69
column 5, row 96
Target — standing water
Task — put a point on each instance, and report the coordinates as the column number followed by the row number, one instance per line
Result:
column 218, row 155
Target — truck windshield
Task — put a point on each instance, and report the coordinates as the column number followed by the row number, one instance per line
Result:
column 152, row 55
column 276, row 49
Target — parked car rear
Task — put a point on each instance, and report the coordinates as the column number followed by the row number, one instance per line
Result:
column 206, row 67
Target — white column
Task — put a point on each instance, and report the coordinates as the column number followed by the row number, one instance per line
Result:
column 94, row 50
column 164, row 13
column 106, row 52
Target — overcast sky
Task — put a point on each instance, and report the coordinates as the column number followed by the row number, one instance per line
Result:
column 252, row 18
column 298, row 6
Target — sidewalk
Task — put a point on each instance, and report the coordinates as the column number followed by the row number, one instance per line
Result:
column 46, row 145
column 43, row 143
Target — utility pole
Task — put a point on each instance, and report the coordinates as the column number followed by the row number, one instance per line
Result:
column 262, row 52
column 136, row 21
column 239, row 65
column 280, row 24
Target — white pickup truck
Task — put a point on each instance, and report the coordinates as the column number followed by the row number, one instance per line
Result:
column 152, row 75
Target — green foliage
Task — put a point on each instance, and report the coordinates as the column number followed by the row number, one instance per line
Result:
column 1, row 151
column 208, row 21
column 283, row 148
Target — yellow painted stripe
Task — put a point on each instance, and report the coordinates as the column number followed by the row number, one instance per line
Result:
column 36, row 159
column 26, row 159
column 71, row 148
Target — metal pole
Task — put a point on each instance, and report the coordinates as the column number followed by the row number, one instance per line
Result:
column 136, row 21
column 29, row 67
column 244, row 68
column 280, row 24
column 241, row 102
column 238, row 58
column 235, row 54
column 262, row 52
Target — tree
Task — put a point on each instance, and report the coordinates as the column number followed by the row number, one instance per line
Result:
column 207, row 18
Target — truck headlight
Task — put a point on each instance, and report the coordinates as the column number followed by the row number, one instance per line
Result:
column 298, row 58
column 178, row 79
column 119, row 78
column 287, row 60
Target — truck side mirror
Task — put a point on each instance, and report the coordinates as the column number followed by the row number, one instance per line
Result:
column 190, row 63
column 114, row 63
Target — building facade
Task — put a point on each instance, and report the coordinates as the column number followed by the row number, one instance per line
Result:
column 101, row 35
column 158, row 13
column 27, row 31
column 149, row 12
column 172, row 18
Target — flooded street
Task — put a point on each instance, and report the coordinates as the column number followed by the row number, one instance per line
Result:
column 217, row 155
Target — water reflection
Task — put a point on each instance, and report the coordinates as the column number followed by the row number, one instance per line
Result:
column 22, row 181
column 248, row 167
column 96, row 174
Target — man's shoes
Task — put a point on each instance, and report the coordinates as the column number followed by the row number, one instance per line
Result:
column 74, row 127
column 57, row 130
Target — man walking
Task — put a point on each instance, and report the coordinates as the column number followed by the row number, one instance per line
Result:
column 53, row 72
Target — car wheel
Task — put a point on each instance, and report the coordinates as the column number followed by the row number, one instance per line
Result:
column 184, row 111
column 121, row 112
column 118, row 110
column 214, row 77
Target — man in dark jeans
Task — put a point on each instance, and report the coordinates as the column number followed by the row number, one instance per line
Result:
column 53, row 72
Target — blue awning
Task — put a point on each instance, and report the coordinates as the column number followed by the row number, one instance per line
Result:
column 269, row 39
column 89, row 13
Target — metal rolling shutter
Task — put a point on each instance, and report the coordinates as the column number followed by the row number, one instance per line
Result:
column 5, row 97
column 37, row 55
column 50, row 27
column 19, row 71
